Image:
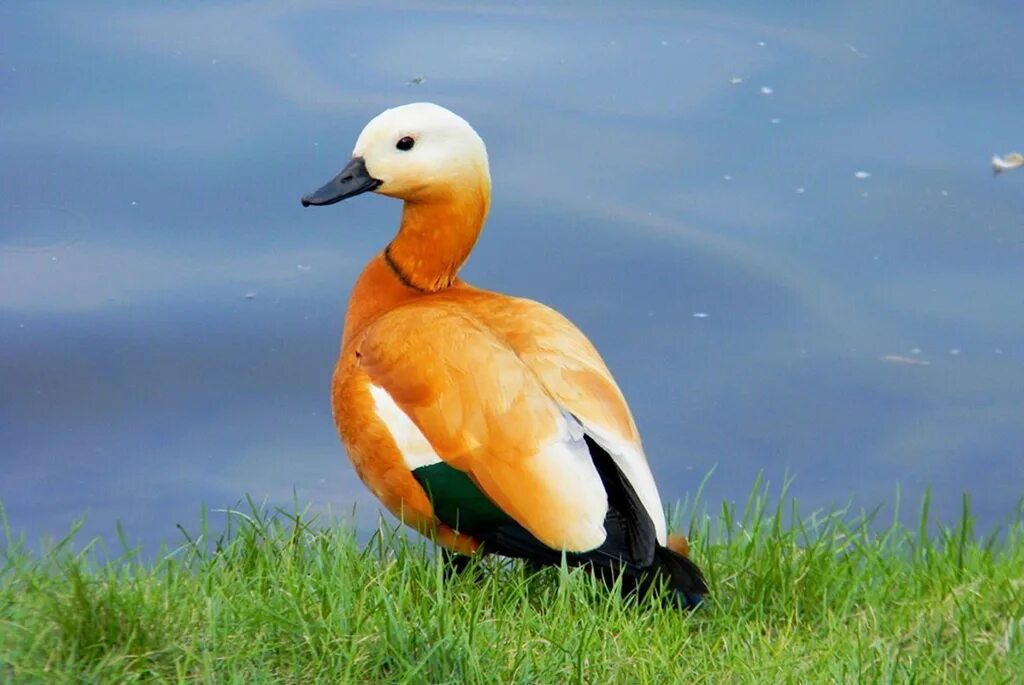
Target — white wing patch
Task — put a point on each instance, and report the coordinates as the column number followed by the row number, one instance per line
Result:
column 415, row 449
column 634, row 466
column 566, row 464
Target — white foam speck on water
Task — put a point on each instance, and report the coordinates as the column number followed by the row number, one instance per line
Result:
column 1011, row 160
column 700, row 315
column 862, row 174
column 736, row 80
column 775, row 120
column 761, row 43
column 250, row 296
column 767, row 90
column 801, row 190
column 954, row 351
column 900, row 359
column 727, row 177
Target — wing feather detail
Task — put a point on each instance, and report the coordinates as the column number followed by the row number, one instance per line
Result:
column 484, row 412
column 575, row 375
column 409, row 439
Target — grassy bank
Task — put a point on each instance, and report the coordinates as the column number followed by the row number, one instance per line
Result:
column 820, row 599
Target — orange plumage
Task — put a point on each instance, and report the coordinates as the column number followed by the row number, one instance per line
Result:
column 475, row 417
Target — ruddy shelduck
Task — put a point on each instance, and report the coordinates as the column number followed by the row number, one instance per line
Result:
column 487, row 422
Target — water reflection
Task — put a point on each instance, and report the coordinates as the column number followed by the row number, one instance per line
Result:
column 169, row 316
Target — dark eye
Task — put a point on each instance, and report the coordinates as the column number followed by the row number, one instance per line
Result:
column 405, row 144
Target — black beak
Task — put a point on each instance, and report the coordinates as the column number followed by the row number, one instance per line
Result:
column 353, row 180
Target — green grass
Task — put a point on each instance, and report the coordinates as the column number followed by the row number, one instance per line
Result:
column 797, row 599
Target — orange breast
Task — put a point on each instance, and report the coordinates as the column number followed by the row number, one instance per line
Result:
column 374, row 455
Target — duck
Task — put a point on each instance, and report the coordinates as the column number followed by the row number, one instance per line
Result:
column 486, row 422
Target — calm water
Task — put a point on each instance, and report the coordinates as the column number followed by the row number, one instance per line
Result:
column 682, row 183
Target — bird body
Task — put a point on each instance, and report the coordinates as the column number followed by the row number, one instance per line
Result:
column 479, row 419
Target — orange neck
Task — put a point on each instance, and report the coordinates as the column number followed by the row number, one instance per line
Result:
column 436, row 238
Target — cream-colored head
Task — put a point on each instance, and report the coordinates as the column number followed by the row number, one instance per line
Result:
column 445, row 151
column 419, row 151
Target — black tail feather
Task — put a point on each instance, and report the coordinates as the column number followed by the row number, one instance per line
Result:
column 630, row 551
column 684, row 577
column 669, row 569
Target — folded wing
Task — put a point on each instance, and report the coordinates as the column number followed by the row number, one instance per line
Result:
column 573, row 373
column 486, row 414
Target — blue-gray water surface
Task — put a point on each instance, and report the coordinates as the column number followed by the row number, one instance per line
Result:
column 779, row 226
